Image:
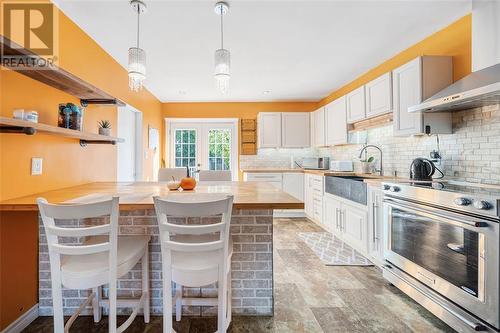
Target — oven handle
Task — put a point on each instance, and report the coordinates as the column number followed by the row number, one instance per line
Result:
column 452, row 219
column 478, row 327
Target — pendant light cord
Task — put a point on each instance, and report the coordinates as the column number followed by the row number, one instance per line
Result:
column 221, row 27
column 138, row 25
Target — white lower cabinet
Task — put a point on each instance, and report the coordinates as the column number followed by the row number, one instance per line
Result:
column 289, row 182
column 314, row 197
column 375, row 225
column 293, row 184
column 272, row 178
column 308, row 196
column 331, row 217
column 348, row 221
column 354, row 226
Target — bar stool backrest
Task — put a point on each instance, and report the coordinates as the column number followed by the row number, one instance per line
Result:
column 52, row 212
column 166, row 174
column 196, row 205
column 215, row 175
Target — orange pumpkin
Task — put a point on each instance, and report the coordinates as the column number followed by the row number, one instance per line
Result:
column 188, row 183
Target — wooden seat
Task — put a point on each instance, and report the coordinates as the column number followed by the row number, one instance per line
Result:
column 87, row 271
column 101, row 258
column 196, row 255
column 166, row 174
column 214, row 175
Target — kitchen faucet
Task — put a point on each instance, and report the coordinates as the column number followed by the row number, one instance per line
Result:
column 381, row 170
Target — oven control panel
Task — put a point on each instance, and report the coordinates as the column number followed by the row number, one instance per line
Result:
column 462, row 201
column 482, row 204
column 447, row 195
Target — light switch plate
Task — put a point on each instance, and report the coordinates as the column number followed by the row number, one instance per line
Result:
column 36, row 166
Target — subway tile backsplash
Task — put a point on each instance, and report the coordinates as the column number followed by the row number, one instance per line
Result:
column 471, row 153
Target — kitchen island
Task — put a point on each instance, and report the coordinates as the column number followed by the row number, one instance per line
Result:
column 251, row 230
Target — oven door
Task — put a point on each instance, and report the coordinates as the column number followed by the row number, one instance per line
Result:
column 454, row 254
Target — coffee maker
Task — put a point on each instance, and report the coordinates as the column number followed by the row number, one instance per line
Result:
column 422, row 169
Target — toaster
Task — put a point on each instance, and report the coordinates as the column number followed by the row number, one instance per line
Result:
column 342, row 166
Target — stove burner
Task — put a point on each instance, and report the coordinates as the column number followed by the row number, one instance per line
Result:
column 466, row 188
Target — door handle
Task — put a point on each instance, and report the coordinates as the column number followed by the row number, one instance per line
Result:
column 337, row 218
column 427, row 278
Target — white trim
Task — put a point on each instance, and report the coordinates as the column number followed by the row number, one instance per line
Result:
column 283, row 213
column 202, row 120
column 200, row 125
column 138, row 147
column 23, row 321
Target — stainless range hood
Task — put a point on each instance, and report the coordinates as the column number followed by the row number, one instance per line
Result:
column 482, row 86
column 476, row 89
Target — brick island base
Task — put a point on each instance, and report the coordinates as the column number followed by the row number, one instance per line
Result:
column 252, row 265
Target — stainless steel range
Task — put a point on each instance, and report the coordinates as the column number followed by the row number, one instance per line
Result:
column 442, row 249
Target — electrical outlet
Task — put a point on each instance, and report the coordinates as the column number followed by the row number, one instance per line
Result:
column 36, row 166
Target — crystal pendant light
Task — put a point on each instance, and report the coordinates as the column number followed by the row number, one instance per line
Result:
column 222, row 56
column 136, row 55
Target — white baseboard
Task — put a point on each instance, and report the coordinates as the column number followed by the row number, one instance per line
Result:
column 22, row 322
column 289, row 213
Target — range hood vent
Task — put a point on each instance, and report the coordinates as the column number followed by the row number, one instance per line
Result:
column 482, row 86
column 475, row 90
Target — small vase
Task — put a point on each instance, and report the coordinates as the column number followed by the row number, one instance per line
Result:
column 366, row 167
column 105, row 131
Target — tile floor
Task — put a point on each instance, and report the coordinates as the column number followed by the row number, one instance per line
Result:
column 309, row 297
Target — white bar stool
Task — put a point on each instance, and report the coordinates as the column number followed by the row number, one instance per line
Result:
column 196, row 255
column 214, row 175
column 102, row 258
column 166, row 174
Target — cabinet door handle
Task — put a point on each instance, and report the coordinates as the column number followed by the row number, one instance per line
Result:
column 337, row 218
column 342, row 213
column 341, row 221
column 374, row 223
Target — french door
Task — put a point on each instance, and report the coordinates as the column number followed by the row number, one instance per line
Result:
column 203, row 144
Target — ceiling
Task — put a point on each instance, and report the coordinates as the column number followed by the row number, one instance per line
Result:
column 294, row 50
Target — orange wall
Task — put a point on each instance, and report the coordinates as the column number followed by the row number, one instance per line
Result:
column 239, row 110
column 80, row 55
column 454, row 40
column 65, row 163
column 231, row 110
column 18, row 264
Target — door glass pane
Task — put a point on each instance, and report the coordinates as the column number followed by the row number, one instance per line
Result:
column 447, row 250
column 185, row 147
column 219, row 149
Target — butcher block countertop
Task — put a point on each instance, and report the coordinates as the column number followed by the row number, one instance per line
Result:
column 139, row 195
column 318, row 172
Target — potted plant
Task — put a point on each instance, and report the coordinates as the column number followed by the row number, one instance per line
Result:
column 105, row 127
column 365, row 164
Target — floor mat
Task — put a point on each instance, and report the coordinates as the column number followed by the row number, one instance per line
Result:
column 333, row 251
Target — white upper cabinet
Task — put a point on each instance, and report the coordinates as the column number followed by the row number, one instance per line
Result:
column 336, row 122
column 269, row 129
column 414, row 82
column 356, row 105
column 379, row 96
column 283, row 129
column 318, row 127
column 295, row 129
